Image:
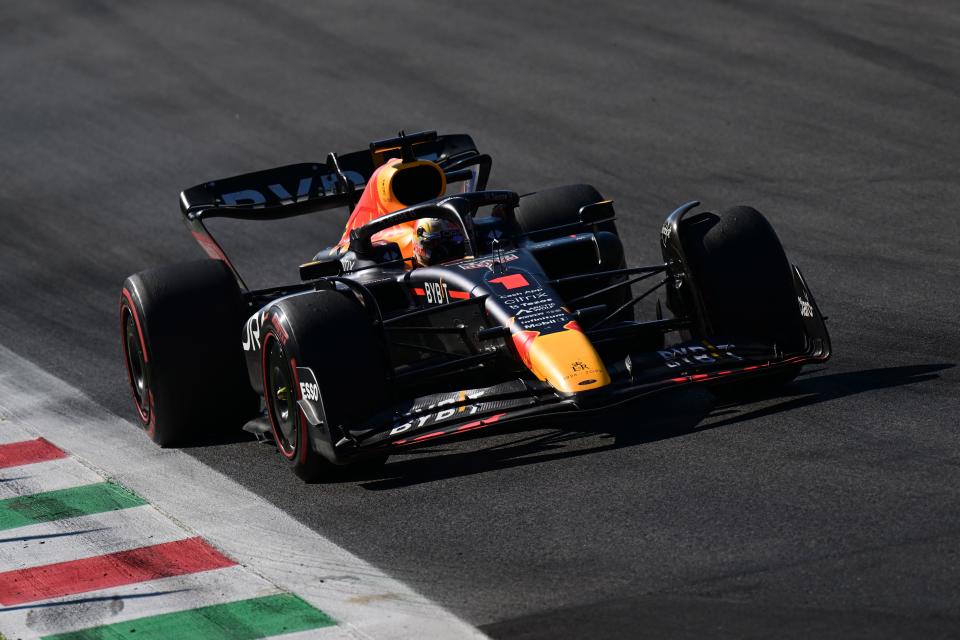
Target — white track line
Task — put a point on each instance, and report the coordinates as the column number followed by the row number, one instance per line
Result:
column 361, row 597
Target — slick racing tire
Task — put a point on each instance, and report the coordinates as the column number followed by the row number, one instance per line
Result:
column 746, row 285
column 180, row 329
column 332, row 335
column 549, row 208
column 558, row 206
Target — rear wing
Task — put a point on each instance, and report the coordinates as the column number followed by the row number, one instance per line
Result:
column 299, row 189
column 334, row 183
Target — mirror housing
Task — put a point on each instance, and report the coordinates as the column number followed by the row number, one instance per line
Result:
column 320, row 269
column 597, row 212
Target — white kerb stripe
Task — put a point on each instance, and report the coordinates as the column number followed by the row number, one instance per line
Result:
column 28, row 479
column 228, row 515
column 118, row 604
column 86, row 536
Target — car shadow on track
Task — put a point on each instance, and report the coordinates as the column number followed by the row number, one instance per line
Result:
column 664, row 416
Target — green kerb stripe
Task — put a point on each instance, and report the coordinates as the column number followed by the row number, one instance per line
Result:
column 243, row 620
column 65, row 503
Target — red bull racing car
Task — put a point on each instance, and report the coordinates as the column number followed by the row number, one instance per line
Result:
column 446, row 309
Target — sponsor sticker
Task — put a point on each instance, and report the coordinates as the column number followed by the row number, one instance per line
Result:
column 309, row 391
column 306, row 188
column 251, row 332
column 440, row 415
column 436, row 292
column 487, row 263
column 693, row 354
column 665, row 233
column 310, row 402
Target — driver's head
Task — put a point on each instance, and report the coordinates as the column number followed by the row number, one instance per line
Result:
column 437, row 241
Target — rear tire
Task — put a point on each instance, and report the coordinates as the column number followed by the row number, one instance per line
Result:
column 746, row 285
column 180, row 331
column 332, row 335
column 557, row 206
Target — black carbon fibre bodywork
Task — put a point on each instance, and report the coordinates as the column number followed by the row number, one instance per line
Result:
column 451, row 336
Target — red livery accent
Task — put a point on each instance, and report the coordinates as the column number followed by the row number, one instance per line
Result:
column 458, row 295
column 697, row 377
column 418, row 291
column 476, row 424
column 210, row 246
column 15, row 454
column 512, row 281
column 480, row 423
column 192, row 555
column 427, row 436
column 522, row 341
column 573, row 325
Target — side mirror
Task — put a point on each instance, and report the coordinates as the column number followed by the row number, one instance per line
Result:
column 320, row 269
column 597, row 212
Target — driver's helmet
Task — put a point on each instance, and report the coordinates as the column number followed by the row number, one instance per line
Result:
column 437, row 240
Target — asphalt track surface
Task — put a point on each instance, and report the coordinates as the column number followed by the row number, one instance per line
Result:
column 832, row 510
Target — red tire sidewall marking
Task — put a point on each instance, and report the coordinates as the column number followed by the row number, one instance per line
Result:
column 271, row 335
column 301, row 418
column 148, row 416
column 136, row 319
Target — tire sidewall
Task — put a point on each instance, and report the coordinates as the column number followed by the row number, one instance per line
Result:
column 303, row 454
column 189, row 317
column 147, row 415
column 329, row 333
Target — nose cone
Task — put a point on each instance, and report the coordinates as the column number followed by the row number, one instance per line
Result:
column 566, row 359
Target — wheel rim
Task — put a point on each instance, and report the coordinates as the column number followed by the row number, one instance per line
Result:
column 282, row 398
column 136, row 365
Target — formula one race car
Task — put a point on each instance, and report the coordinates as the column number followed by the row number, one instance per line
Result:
column 446, row 309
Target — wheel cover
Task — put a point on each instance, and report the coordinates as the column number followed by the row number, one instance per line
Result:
column 136, row 365
column 281, row 398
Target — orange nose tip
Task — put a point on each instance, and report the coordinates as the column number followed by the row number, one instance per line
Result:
column 566, row 360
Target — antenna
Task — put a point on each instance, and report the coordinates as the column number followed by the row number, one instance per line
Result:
column 497, row 265
column 406, row 149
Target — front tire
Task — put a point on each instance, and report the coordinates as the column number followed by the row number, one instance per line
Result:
column 331, row 334
column 746, row 285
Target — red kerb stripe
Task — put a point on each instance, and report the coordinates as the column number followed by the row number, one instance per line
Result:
column 192, row 555
column 15, row 454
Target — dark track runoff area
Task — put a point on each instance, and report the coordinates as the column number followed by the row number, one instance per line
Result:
column 832, row 510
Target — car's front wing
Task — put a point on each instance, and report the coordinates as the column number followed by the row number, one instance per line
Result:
column 444, row 415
